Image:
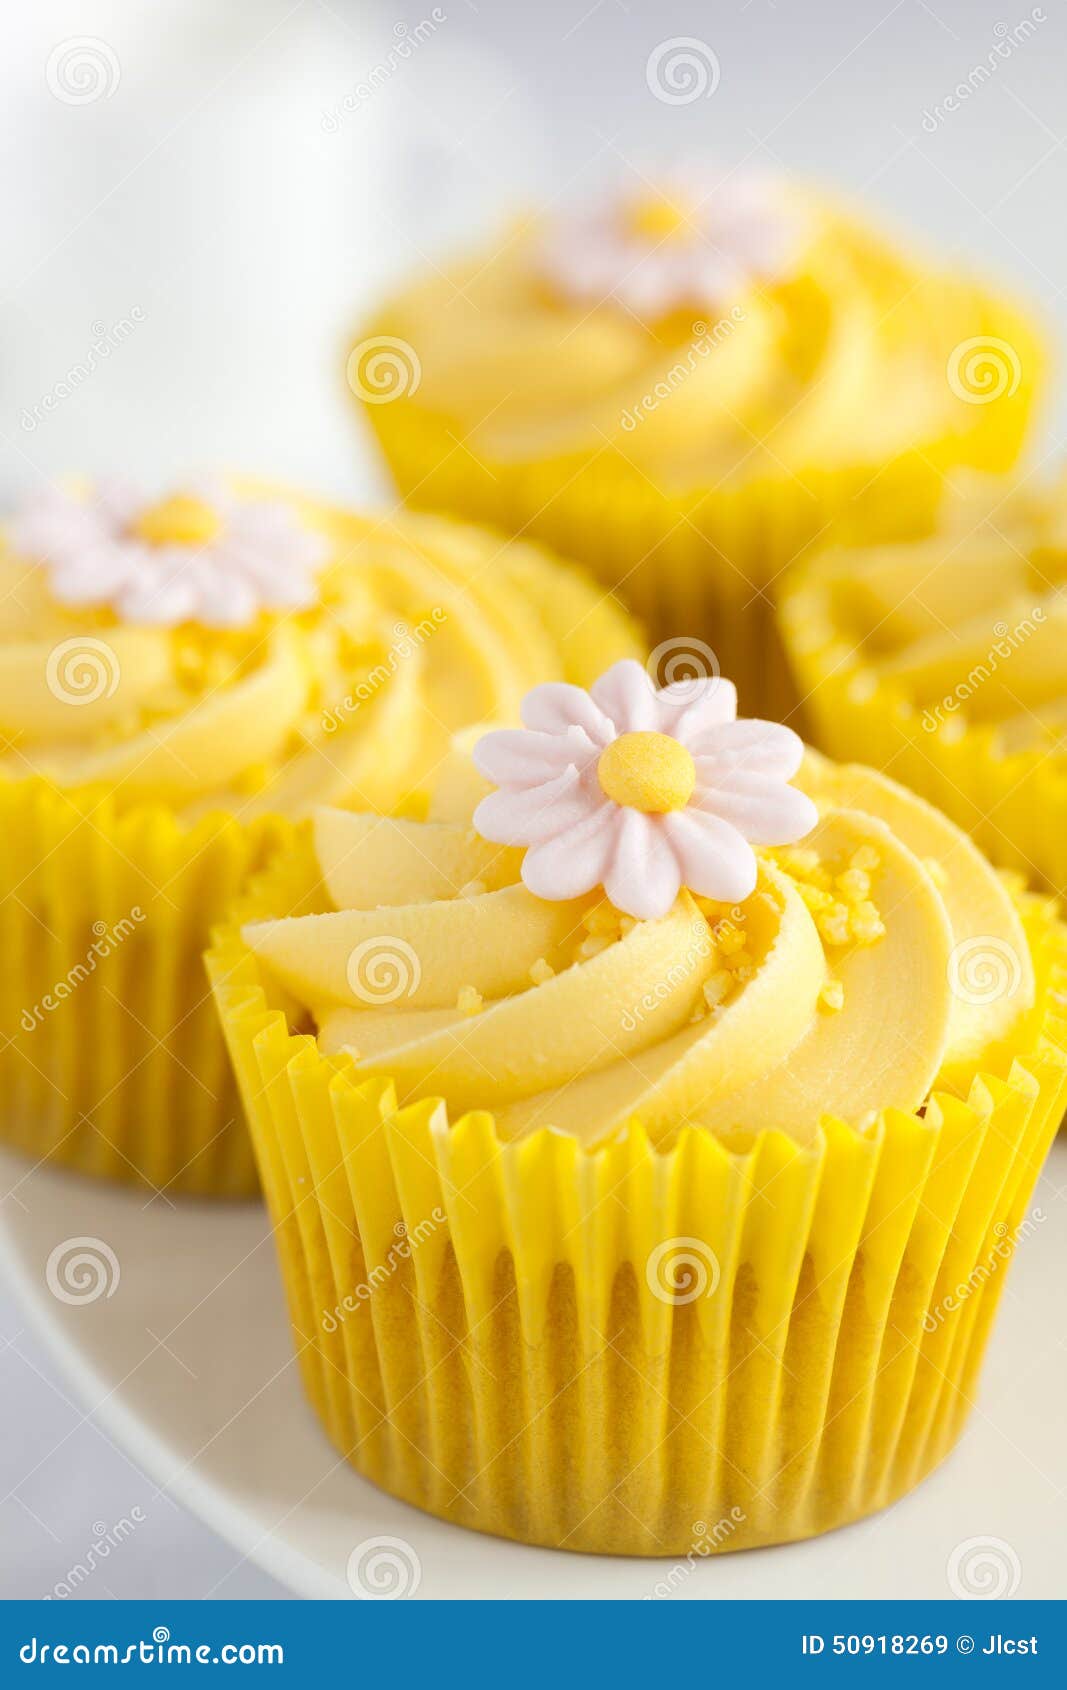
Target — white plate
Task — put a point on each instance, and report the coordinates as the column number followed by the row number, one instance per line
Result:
column 187, row 1365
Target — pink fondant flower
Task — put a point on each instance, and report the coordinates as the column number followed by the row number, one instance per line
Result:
column 201, row 555
column 641, row 790
column 687, row 244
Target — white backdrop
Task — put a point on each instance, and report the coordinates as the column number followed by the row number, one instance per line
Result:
column 200, row 202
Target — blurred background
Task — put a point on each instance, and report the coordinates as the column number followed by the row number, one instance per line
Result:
column 202, row 199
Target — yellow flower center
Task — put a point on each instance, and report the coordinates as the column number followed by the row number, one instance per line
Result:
column 658, row 218
column 180, row 520
column 647, row 771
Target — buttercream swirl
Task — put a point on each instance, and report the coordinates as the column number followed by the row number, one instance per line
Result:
column 834, row 990
column 836, row 358
column 419, row 627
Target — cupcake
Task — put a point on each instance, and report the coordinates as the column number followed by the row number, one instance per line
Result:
column 181, row 680
column 943, row 662
column 690, row 386
column 647, row 1130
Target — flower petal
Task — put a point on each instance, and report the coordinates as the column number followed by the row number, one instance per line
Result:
column 530, row 815
column 644, row 876
column 555, row 706
column 716, row 861
column 764, row 810
column 521, row 757
column 691, row 708
column 763, row 747
column 576, row 860
column 627, row 694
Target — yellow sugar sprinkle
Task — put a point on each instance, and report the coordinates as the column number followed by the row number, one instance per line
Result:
column 716, row 988
column 866, row 857
column 540, row 971
column 855, row 883
column 815, row 898
column 737, row 960
column 601, row 918
column 469, row 1001
column 832, row 995
column 834, row 925
column 799, row 861
column 730, row 939
column 867, row 924
column 593, row 946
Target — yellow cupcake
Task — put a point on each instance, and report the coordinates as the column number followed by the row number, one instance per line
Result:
column 180, row 682
column 643, row 1234
column 943, row 662
column 689, row 388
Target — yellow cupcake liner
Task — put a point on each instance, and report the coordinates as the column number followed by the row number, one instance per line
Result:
column 112, row 1061
column 626, row 1350
column 1012, row 803
column 706, row 562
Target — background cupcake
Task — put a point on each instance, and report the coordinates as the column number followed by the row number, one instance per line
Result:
column 943, row 662
column 611, row 1222
column 689, row 386
column 180, row 680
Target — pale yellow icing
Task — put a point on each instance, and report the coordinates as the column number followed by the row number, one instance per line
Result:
column 836, row 989
column 422, row 627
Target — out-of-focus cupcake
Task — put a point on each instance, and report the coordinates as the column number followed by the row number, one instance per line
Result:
column 180, row 681
column 691, row 385
column 943, row 661
column 637, row 1222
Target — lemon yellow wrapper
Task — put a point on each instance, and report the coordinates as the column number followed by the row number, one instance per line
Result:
column 147, row 768
column 691, row 457
column 723, row 1342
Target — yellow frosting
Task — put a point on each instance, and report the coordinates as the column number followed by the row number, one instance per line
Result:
column 841, row 361
column 423, row 626
column 853, row 980
column 965, row 628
